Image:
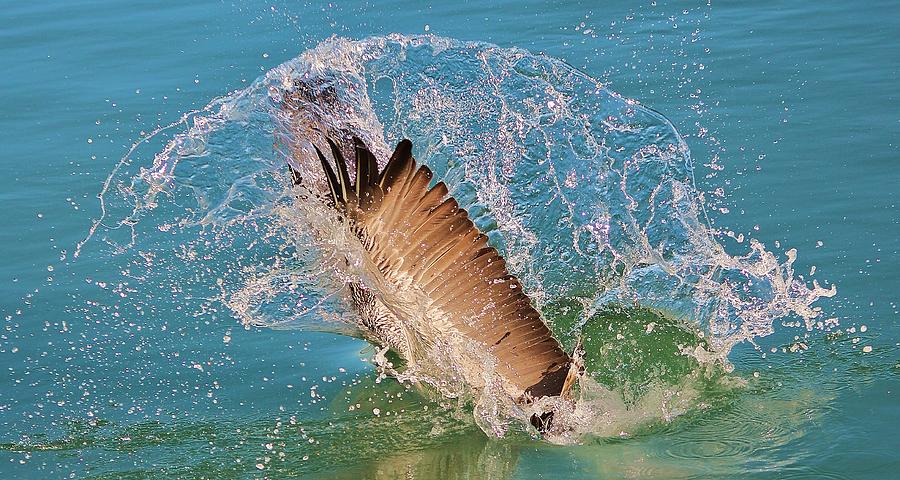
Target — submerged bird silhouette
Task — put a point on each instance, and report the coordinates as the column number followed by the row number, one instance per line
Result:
column 419, row 238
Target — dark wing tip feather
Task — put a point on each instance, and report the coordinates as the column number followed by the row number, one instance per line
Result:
column 395, row 165
column 333, row 186
column 427, row 172
column 366, row 167
column 343, row 175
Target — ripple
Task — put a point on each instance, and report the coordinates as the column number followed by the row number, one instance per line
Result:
column 805, row 473
column 717, row 446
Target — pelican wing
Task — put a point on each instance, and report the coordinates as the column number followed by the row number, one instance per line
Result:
column 420, row 236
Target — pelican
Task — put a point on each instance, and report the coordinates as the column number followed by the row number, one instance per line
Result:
column 416, row 239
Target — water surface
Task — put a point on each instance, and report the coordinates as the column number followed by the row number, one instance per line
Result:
column 789, row 109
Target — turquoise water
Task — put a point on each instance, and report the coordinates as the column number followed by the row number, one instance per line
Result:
column 118, row 364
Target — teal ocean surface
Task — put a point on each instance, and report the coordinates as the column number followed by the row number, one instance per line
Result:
column 705, row 193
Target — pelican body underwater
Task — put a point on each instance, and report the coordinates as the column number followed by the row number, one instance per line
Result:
column 419, row 239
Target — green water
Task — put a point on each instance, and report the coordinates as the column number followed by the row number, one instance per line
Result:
column 790, row 108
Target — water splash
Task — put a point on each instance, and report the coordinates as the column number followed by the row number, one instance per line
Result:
column 589, row 195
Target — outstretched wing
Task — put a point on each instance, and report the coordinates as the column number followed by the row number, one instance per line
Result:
column 420, row 236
